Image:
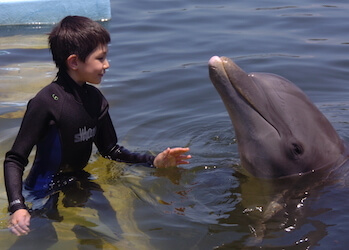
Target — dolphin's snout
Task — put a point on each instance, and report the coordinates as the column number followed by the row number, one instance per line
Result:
column 214, row 60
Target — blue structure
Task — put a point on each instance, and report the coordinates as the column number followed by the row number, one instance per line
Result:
column 19, row 12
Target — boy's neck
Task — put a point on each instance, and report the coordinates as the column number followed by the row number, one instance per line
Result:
column 75, row 77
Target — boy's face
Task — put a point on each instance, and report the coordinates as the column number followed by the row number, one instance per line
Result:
column 93, row 69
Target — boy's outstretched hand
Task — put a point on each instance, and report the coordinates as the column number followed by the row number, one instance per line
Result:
column 171, row 157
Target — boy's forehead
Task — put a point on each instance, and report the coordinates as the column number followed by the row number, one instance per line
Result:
column 103, row 48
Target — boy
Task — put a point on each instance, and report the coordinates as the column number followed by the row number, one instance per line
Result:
column 65, row 118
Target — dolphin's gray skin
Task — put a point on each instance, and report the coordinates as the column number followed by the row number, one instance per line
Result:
column 279, row 131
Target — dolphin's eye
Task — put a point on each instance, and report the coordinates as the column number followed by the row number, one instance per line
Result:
column 297, row 149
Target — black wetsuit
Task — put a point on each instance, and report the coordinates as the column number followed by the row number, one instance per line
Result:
column 63, row 120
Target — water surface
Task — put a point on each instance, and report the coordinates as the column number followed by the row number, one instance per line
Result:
column 160, row 95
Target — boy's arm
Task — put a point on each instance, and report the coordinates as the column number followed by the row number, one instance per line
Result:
column 119, row 153
column 13, row 172
column 15, row 162
column 32, row 127
column 106, row 142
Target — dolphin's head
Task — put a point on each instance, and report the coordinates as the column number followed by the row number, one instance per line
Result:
column 279, row 130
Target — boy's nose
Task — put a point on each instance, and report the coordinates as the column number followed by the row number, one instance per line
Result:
column 106, row 64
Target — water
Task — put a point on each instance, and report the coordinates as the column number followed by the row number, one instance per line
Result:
column 160, row 95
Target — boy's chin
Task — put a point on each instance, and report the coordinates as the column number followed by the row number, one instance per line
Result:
column 95, row 83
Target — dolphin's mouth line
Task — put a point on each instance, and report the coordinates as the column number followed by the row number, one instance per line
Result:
column 250, row 103
column 218, row 65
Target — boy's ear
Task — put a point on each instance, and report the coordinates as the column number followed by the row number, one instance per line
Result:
column 72, row 62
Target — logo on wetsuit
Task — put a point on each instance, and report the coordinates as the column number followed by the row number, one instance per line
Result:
column 85, row 134
column 55, row 97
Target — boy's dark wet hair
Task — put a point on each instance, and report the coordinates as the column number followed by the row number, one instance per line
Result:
column 76, row 35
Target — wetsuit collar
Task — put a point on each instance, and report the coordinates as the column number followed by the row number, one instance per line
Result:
column 79, row 92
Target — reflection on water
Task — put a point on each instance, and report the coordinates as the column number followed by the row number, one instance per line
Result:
column 160, row 95
column 20, row 82
column 23, row 42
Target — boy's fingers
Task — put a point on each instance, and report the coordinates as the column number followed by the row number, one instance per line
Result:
column 179, row 150
column 182, row 162
column 185, row 156
column 20, row 227
column 24, row 227
column 18, row 230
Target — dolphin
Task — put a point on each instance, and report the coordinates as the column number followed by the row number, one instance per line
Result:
column 279, row 131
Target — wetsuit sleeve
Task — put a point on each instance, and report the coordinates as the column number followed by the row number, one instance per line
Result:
column 16, row 159
column 106, row 142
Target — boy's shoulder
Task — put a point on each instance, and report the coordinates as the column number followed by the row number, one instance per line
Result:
column 49, row 89
column 49, row 94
